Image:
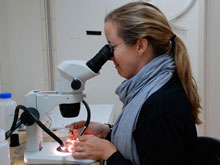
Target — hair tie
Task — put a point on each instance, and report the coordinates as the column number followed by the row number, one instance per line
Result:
column 172, row 38
column 173, row 44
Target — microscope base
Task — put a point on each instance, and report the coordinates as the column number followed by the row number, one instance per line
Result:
column 50, row 155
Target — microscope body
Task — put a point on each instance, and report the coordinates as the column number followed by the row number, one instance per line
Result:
column 46, row 101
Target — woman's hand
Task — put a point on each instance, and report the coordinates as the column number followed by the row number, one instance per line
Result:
column 94, row 128
column 92, row 147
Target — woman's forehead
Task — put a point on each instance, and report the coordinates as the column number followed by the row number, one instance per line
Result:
column 111, row 32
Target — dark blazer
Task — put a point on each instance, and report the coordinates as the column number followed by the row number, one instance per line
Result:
column 165, row 132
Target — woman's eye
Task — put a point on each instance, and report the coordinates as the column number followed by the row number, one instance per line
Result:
column 112, row 48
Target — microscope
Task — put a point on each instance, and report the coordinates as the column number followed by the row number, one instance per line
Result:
column 68, row 96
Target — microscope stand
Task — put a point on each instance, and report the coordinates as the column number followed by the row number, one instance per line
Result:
column 50, row 155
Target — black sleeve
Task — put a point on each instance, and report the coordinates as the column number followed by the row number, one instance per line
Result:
column 117, row 158
column 108, row 137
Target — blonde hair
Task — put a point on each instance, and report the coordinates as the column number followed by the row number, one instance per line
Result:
column 137, row 20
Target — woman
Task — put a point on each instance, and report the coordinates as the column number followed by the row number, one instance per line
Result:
column 161, row 102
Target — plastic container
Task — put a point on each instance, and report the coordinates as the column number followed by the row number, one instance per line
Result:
column 4, row 149
column 7, row 109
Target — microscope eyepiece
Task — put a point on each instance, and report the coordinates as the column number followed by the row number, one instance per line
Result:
column 96, row 63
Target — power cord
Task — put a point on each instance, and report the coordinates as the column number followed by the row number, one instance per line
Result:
column 31, row 115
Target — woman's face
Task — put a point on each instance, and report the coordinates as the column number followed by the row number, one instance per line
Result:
column 125, row 56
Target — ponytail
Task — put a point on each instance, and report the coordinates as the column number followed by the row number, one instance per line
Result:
column 185, row 75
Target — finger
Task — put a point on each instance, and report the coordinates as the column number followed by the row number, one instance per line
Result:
column 71, row 132
column 71, row 139
column 68, row 144
column 76, row 125
column 77, row 143
column 79, row 124
column 79, row 155
column 72, row 125
column 74, row 132
column 79, row 149
column 84, row 138
column 67, row 126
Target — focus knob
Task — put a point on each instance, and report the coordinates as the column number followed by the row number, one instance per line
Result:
column 76, row 84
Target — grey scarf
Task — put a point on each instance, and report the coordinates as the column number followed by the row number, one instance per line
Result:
column 133, row 93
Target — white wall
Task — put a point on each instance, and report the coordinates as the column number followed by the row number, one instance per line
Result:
column 212, row 79
column 22, row 51
column 0, row 84
column 4, row 50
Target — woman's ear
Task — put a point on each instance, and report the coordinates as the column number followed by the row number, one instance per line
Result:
column 142, row 46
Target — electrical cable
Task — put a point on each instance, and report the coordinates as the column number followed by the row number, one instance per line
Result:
column 35, row 119
column 88, row 119
column 9, row 133
column 13, row 126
